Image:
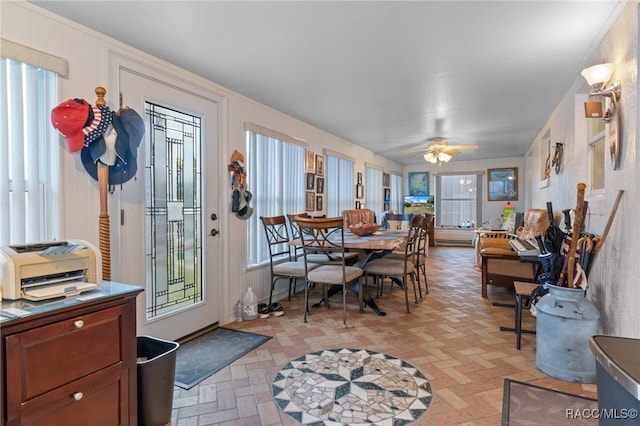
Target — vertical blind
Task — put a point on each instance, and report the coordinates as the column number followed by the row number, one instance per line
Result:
column 28, row 154
column 373, row 193
column 275, row 176
column 397, row 197
column 339, row 187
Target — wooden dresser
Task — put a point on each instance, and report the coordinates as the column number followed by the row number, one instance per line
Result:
column 70, row 361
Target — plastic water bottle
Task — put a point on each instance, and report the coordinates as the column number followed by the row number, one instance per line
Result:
column 249, row 305
column 239, row 311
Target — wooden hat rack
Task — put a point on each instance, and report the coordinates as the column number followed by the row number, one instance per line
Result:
column 103, row 221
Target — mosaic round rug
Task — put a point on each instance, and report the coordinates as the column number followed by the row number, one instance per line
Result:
column 351, row 386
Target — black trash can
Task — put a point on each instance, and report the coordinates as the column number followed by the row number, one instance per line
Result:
column 156, row 376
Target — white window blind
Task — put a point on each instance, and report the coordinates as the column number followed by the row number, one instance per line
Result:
column 339, row 185
column 275, row 176
column 373, row 193
column 29, row 161
column 459, row 198
column 397, row 197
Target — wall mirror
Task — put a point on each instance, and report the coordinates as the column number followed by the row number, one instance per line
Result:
column 503, row 184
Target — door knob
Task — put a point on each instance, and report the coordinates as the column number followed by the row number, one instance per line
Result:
column 214, row 232
column 214, row 216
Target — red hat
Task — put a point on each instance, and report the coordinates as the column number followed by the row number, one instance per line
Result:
column 74, row 119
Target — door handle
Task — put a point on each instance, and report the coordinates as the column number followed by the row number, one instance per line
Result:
column 214, row 232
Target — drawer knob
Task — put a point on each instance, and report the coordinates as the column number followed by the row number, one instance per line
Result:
column 78, row 323
column 78, row 396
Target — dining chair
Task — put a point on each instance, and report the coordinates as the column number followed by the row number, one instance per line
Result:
column 397, row 222
column 326, row 236
column 350, row 257
column 423, row 253
column 283, row 265
column 399, row 267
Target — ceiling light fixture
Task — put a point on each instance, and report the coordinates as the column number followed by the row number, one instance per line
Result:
column 597, row 77
column 440, row 157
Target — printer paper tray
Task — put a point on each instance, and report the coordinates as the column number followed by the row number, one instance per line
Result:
column 51, row 291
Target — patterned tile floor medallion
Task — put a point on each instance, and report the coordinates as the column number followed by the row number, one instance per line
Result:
column 351, row 387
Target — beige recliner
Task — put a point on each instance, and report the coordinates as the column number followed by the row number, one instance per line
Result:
column 501, row 266
column 352, row 217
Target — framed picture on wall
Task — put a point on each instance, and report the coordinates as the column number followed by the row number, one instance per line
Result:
column 386, row 179
column 419, row 183
column 387, row 195
column 357, row 205
column 310, row 162
column 359, row 181
column 311, row 179
column 502, row 184
column 310, row 201
column 319, row 203
column 320, row 165
column 359, row 191
column 320, row 185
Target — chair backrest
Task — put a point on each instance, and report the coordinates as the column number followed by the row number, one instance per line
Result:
column 415, row 237
column 275, row 229
column 295, row 233
column 322, row 236
column 398, row 221
column 536, row 222
column 355, row 216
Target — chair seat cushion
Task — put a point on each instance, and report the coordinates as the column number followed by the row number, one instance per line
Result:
column 290, row 269
column 386, row 266
column 499, row 251
column 332, row 274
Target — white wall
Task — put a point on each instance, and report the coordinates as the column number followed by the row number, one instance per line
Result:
column 88, row 55
column 613, row 285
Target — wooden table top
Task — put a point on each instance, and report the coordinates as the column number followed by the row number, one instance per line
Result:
column 380, row 240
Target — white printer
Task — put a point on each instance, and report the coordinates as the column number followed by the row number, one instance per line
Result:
column 48, row 270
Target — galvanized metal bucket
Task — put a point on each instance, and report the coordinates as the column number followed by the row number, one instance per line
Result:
column 565, row 320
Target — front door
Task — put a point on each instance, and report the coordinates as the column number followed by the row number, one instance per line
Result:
column 168, row 239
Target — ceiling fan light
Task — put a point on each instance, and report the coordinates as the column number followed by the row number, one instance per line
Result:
column 444, row 157
column 430, row 157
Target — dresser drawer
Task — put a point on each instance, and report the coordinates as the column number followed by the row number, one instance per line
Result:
column 93, row 400
column 53, row 355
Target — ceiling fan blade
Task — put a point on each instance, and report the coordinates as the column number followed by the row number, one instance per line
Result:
column 450, row 151
column 470, row 146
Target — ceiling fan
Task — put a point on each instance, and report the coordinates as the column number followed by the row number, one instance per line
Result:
column 439, row 150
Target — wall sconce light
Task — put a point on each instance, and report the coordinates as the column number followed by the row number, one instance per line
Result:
column 597, row 77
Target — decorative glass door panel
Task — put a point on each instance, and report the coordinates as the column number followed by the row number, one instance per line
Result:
column 173, row 211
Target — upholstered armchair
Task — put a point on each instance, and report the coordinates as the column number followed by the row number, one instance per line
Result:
column 352, row 217
column 500, row 264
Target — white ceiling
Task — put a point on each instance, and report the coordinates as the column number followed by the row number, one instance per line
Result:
column 386, row 75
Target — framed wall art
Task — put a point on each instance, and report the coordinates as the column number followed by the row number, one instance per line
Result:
column 502, row 184
column 320, row 165
column 319, row 203
column 359, row 191
column 310, row 161
column 311, row 179
column 419, row 183
column 320, row 185
column 386, row 179
column 310, row 201
column 359, row 180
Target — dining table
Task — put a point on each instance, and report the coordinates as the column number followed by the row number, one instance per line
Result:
column 374, row 246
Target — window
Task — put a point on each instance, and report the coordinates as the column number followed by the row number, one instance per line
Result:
column 275, row 177
column 28, row 154
column 459, row 199
column 596, row 156
column 339, row 185
column 373, row 193
column 397, row 196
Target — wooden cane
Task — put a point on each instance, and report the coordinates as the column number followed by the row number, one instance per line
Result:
column 103, row 220
column 577, row 226
column 600, row 242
